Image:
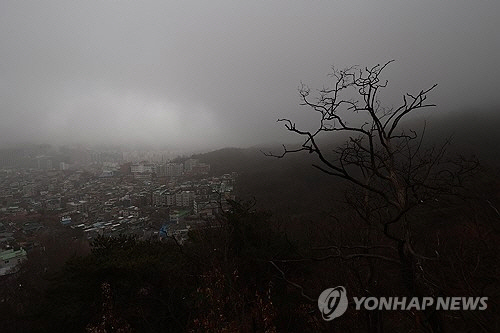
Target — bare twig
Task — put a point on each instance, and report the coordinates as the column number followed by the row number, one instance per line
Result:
column 292, row 283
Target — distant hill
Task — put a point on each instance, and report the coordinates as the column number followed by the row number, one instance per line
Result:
column 475, row 132
column 290, row 185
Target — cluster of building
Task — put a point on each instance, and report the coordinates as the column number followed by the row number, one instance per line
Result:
column 145, row 199
column 144, row 170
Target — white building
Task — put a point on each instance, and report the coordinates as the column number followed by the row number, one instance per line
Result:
column 141, row 168
column 190, row 164
column 170, row 199
column 10, row 260
column 187, row 199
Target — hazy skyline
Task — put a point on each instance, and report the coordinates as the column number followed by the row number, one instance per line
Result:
column 219, row 73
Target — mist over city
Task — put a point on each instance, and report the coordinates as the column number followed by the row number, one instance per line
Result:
column 249, row 166
column 219, row 73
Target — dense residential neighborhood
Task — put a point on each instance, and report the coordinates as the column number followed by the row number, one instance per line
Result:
column 106, row 196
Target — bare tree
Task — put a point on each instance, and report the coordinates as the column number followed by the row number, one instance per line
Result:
column 392, row 169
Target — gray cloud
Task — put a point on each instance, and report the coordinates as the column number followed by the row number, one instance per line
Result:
column 218, row 73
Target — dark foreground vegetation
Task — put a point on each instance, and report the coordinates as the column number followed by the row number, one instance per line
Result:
column 256, row 273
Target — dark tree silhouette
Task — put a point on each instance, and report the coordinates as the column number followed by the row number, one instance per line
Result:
column 393, row 171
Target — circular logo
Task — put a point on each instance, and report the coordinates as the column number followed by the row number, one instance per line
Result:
column 332, row 303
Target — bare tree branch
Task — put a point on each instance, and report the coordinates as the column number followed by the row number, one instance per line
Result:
column 283, row 276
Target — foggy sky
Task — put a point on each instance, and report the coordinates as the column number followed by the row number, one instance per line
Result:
column 219, row 73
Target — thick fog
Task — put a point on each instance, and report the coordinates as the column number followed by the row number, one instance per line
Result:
column 219, row 73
